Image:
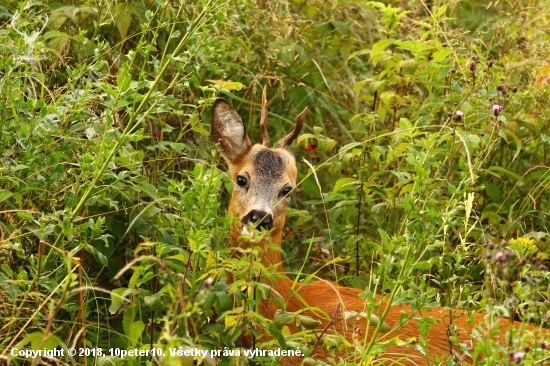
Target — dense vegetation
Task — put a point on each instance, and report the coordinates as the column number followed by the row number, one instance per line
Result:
column 427, row 144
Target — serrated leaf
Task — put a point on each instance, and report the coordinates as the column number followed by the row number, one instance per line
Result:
column 472, row 141
column 408, row 66
column 128, row 318
column 378, row 48
column 440, row 55
column 387, row 97
column 134, row 332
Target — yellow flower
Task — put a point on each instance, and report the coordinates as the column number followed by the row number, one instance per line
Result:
column 525, row 247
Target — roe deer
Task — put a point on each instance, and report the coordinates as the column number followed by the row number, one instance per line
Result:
column 263, row 179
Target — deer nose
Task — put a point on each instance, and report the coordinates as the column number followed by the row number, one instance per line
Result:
column 262, row 219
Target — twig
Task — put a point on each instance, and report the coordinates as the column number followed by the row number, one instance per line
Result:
column 325, row 328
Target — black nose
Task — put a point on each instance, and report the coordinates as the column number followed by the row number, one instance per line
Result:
column 262, row 219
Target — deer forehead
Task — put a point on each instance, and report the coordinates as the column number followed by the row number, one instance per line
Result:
column 269, row 166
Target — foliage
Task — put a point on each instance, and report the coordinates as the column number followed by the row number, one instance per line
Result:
column 427, row 170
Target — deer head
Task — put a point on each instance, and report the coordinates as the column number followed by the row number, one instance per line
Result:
column 263, row 177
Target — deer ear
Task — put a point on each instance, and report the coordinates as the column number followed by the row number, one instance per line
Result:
column 228, row 129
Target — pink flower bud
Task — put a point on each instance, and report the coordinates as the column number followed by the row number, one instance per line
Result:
column 517, row 356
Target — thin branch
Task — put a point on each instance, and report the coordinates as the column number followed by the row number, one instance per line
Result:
column 326, row 326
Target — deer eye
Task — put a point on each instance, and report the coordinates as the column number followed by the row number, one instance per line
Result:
column 241, row 181
column 285, row 191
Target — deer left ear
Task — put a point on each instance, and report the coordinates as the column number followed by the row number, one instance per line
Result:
column 228, row 129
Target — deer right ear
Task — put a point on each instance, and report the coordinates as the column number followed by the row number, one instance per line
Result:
column 228, row 129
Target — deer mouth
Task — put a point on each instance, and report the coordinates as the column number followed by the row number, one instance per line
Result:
column 245, row 231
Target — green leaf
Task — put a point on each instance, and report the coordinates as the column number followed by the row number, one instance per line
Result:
column 283, row 318
column 116, row 299
column 308, row 322
column 134, row 332
column 7, row 270
column 5, row 194
column 514, row 137
column 358, row 53
column 102, row 258
column 423, row 266
column 343, row 184
column 153, row 299
column 18, row 167
column 497, row 169
column 439, row 11
column 123, row 79
column 344, row 149
column 457, row 87
column 25, row 215
column 37, row 342
column 128, row 320
column 440, row 55
column 384, row 236
column 148, row 188
column 387, row 97
column 122, row 13
column 374, row 320
column 493, row 192
column 378, row 48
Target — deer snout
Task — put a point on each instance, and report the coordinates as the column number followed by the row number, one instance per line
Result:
column 261, row 219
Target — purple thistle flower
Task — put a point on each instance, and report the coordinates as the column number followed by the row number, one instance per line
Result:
column 459, row 115
column 517, row 356
column 496, row 109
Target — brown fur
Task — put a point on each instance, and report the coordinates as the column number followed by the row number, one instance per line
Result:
column 268, row 171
